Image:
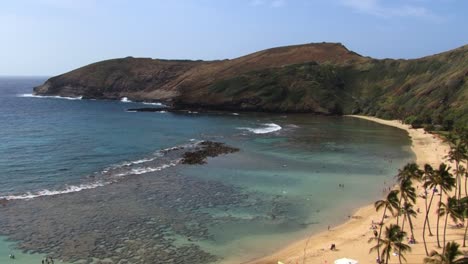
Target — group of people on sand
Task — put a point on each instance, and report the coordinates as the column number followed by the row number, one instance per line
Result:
column 48, row 260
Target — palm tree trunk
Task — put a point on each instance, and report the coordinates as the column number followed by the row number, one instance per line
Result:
column 445, row 230
column 466, row 177
column 458, row 179
column 399, row 210
column 438, row 217
column 380, row 232
column 428, row 224
column 464, row 237
column 402, row 229
column 466, row 191
column 403, row 223
column 411, row 226
column 388, row 256
column 425, row 222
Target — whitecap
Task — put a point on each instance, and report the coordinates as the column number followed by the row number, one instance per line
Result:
column 50, row 96
column 267, row 128
column 138, row 171
column 45, row 192
column 148, row 103
column 125, row 100
column 236, row 114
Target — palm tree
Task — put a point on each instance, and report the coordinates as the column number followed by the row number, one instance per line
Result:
column 450, row 255
column 463, row 140
column 431, row 182
column 407, row 195
column 410, row 171
column 409, row 213
column 464, row 172
column 452, row 209
column 392, row 241
column 457, row 154
column 390, row 203
column 428, row 173
column 464, row 210
column 445, row 182
column 405, row 177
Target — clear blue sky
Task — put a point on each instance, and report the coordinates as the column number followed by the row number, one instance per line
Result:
column 48, row 37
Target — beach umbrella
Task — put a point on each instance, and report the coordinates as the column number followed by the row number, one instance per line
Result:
column 346, row 261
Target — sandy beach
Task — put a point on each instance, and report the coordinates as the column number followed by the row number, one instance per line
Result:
column 351, row 238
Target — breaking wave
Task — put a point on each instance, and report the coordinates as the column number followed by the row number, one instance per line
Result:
column 125, row 100
column 68, row 189
column 50, row 96
column 138, row 171
column 148, row 103
column 267, row 128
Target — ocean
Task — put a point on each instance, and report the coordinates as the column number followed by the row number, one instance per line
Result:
column 88, row 181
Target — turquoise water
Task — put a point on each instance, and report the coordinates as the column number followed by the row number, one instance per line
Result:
column 7, row 248
column 281, row 186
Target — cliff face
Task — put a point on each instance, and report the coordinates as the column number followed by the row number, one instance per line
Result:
column 322, row 78
column 114, row 79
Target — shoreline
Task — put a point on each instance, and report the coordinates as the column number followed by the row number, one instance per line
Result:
column 351, row 236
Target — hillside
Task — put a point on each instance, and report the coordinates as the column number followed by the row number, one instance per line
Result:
column 324, row 78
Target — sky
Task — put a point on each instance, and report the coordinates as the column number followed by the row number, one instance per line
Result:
column 50, row 37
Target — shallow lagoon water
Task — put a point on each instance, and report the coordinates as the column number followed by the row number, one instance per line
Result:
column 281, row 186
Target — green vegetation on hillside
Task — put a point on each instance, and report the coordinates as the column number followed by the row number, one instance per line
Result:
column 430, row 92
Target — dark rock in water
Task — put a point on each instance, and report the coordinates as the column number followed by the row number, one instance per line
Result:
column 148, row 109
column 167, row 109
column 208, row 149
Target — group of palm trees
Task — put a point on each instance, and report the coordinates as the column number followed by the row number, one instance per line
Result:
column 400, row 202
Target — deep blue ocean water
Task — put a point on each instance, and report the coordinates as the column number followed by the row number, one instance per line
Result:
column 51, row 144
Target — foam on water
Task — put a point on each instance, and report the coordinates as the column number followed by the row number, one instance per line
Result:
column 50, row 96
column 138, row 171
column 125, row 100
column 68, row 189
column 267, row 128
column 148, row 103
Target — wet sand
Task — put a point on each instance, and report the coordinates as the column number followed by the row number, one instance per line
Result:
column 351, row 238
